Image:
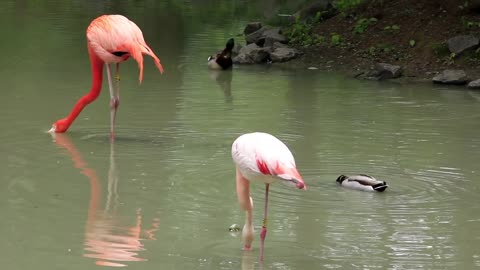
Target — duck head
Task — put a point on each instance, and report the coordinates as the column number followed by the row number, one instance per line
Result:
column 341, row 178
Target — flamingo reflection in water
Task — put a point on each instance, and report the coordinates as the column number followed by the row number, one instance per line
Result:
column 107, row 240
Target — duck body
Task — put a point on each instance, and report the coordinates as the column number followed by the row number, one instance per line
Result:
column 362, row 182
column 222, row 60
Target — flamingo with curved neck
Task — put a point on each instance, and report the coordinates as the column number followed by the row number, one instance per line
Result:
column 110, row 39
column 261, row 157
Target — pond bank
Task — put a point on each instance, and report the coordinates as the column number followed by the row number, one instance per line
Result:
column 415, row 35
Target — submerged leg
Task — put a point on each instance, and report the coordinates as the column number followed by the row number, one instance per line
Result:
column 243, row 195
column 263, row 233
column 117, row 80
column 114, row 102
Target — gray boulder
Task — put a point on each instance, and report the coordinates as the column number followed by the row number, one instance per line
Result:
column 252, row 54
column 384, row 71
column 451, row 76
column 255, row 36
column 462, row 43
column 325, row 7
column 266, row 36
column 279, row 45
column 252, row 27
column 474, row 84
column 283, row 54
column 271, row 36
column 236, row 49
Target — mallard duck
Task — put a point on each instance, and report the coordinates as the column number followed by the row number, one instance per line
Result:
column 362, row 182
column 222, row 60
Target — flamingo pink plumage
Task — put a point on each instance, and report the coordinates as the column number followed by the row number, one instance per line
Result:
column 110, row 39
column 261, row 157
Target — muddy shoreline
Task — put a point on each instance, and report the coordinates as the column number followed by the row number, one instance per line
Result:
column 411, row 34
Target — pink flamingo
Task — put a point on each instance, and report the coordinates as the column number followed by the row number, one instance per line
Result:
column 261, row 157
column 110, row 39
column 107, row 239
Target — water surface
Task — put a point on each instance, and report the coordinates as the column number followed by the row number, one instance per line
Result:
column 163, row 195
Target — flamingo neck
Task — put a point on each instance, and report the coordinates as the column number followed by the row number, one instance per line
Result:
column 246, row 203
column 97, row 77
column 80, row 163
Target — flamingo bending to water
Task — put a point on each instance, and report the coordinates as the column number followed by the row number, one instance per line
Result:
column 110, row 39
column 261, row 157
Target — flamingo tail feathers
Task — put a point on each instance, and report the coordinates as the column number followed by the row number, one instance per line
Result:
column 137, row 53
column 288, row 173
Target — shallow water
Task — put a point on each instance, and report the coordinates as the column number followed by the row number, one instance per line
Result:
column 163, row 196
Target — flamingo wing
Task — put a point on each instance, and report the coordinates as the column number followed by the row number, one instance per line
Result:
column 264, row 154
column 108, row 34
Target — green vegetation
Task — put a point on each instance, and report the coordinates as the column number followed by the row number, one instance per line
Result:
column 387, row 48
column 343, row 5
column 440, row 49
column 301, row 33
column 464, row 5
column 392, row 28
column 371, row 52
column 412, row 43
column 362, row 24
column 471, row 57
column 335, row 39
column 469, row 24
column 381, row 49
column 449, row 60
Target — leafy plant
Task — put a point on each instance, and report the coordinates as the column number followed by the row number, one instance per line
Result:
column 464, row 5
column 440, row 49
column 449, row 60
column 387, row 48
column 381, row 49
column 371, row 52
column 473, row 57
column 469, row 24
column 319, row 16
column 412, row 43
column 301, row 33
column 363, row 24
column 335, row 39
column 392, row 28
column 343, row 5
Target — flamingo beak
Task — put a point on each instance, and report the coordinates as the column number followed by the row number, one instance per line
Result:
column 301, row 185
column 52, row 130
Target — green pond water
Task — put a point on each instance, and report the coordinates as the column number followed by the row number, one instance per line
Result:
column 162, row 196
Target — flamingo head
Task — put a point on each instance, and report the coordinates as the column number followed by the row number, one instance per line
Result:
column 247, row 236
column 60, row 126
column 300, row 184
column 292, row 182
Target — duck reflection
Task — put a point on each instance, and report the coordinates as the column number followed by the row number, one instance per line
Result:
column 224, row 79
column 108, row 239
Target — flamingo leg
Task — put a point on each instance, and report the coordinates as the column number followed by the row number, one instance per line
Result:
column 263, row 233
column 117, row 80
column 114, row 102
